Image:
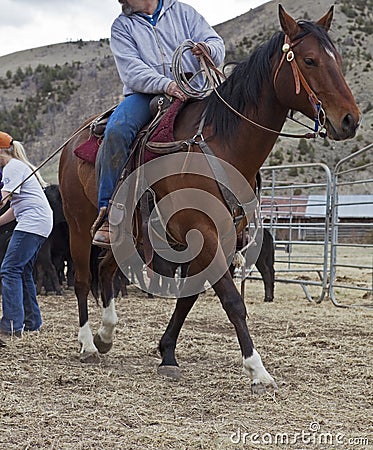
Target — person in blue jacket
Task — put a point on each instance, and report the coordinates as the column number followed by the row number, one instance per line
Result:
column 144, row 38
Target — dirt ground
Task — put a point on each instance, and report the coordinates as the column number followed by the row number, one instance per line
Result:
column 321, row 357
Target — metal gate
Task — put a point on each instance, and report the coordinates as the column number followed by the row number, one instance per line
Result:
column 316, row 246
column 351, row 255
column 301, row 243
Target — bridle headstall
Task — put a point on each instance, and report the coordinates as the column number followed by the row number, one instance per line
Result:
column 287, row 54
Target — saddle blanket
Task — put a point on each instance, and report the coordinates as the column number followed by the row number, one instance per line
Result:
column 88, row 150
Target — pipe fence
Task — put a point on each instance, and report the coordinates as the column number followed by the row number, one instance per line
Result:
column 322, row 230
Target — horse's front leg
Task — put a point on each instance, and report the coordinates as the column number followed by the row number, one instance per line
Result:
column 234, row 306
column 103, row 340
column 167, row 345
column 88, row 350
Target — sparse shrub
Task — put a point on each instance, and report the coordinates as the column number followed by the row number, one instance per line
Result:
column 348, row 10
column 21, row 120
column 303, row 146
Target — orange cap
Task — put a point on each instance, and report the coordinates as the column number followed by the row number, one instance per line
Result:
column 5, row 140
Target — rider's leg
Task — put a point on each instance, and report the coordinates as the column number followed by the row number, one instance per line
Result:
column 123, row 125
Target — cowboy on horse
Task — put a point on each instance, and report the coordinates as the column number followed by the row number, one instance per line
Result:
column 143, row 40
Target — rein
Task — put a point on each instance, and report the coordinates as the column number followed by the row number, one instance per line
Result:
column 208, row 67
column 4, row 199
column 299, row 80
column 42, row 164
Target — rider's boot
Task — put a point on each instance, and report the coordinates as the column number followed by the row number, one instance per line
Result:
column 100, row 229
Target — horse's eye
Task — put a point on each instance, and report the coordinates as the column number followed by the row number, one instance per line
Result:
column 309, row 62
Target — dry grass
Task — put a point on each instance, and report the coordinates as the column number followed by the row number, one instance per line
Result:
column 321, row 357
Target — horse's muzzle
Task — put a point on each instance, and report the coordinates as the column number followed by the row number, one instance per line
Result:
column 346, row 130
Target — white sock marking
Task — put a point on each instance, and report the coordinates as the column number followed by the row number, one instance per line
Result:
column 254, row 367
column 86, row 339
column 109, row 321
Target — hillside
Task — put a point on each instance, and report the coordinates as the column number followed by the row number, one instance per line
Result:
column 49, row 91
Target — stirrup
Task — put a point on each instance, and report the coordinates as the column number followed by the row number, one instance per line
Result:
column 99, row 221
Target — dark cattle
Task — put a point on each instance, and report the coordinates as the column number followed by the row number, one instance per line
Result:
column 54, row 257
column 163, row 280
column 45, row 273
column 61, row 254
column 5, row 235
column 120, row 281
column 265, row 265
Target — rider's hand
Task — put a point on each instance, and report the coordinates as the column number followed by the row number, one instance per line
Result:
column 196, row 50
column 174, row 90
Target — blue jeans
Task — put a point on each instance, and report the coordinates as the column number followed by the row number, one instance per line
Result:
column 123, row 125
column 20, row 307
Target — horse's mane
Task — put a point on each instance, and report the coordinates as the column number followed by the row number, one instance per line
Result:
column 244, row 85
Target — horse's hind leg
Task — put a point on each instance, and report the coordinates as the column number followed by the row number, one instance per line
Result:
column 234, row 306
column 103, row 340
column 80, row 251
column 169, row 366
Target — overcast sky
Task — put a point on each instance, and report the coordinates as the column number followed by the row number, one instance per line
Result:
column 26, row 24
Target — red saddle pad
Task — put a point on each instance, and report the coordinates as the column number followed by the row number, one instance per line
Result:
column 88, row 150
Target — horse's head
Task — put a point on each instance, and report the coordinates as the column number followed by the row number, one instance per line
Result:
column 312, row 63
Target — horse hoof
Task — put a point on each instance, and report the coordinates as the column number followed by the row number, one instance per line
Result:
column 261, row 388
column 268, row 299
column 170, row 372
column 102, row 347
column 89, row 357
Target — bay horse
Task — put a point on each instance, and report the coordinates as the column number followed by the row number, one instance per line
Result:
column 299, row 69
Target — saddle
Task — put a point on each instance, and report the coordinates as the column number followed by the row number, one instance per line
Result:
column 160, row 131
column 88, row 150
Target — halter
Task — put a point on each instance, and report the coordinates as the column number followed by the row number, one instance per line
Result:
column 299, row 80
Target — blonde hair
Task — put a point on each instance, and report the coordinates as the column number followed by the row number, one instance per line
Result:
column 17, row 151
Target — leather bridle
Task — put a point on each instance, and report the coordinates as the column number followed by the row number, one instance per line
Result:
column 299, row 80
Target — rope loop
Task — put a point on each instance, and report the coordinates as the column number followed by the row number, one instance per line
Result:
column 187, row 81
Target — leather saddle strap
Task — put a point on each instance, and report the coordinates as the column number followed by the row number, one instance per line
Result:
column 163, row 148
column 220, row 177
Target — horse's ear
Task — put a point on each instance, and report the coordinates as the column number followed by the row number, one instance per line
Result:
column 326, row 20
column 288, row 24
